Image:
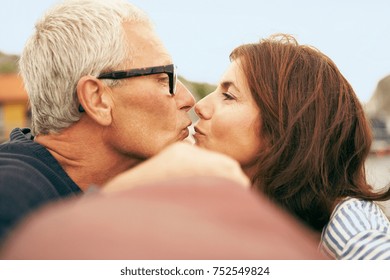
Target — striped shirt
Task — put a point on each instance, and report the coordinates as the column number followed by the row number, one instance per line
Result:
column 357, row 230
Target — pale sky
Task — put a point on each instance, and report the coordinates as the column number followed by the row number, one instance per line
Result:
column 201, row 33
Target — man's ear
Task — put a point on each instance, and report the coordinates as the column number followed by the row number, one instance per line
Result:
column 95, row 99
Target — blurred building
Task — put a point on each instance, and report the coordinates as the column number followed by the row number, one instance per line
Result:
column 14, row 110
column 378, row 110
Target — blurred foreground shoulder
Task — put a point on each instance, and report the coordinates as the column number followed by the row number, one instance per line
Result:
column 182, row 218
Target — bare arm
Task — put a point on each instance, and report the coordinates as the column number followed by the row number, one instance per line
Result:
column 177, row 161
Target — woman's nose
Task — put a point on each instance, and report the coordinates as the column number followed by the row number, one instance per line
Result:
column 203, row 108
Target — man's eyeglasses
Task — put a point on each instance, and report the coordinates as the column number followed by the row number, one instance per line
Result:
column 167, row 69
column 170, row 70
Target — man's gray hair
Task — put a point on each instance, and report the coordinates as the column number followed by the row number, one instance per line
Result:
column 73, row 39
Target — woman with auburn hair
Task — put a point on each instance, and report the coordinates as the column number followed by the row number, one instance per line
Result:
column 294, row 123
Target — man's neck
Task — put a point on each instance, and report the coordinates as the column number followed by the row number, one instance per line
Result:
column 87, row 160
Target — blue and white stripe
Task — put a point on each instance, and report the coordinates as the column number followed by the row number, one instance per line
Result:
column 357, row 230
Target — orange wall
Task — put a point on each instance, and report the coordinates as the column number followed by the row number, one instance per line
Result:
column 14, row 115
column 13, row 103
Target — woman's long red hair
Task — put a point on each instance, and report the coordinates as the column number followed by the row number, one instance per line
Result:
column 315, row 133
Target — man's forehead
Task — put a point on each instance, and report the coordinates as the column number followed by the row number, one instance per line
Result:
column 146, row 48
column 150, row 57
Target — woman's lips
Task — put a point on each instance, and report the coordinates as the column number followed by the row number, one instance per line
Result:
column 199, row 131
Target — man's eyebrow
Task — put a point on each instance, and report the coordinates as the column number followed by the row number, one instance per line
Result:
column 228, row 84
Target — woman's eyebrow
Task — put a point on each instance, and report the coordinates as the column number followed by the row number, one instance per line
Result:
column 228, row 84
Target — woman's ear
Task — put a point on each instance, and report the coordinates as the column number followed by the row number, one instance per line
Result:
column 95, row 100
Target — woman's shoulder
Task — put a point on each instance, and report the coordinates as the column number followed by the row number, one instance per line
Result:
column 359, row 208
column 354, row 224
column 360, row 214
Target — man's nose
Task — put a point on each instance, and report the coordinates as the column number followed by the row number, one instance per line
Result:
column 184, row 98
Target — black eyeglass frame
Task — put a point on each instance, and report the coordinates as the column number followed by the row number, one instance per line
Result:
column 169, row 69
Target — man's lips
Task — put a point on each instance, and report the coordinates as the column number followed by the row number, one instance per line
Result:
column 185, row 131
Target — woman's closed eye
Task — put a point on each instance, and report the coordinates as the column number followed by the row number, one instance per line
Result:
column 228, row 96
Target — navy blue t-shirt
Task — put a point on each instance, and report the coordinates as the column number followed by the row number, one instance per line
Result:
column 29, row 178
